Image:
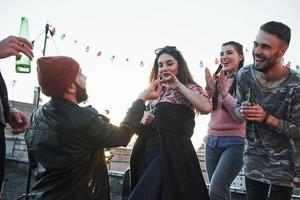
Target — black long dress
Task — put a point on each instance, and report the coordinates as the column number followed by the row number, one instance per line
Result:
column 164, row 164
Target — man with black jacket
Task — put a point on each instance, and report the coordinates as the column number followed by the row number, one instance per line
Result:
column 65, row 141
column 10, row 46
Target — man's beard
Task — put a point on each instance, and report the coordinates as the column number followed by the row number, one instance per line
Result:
column 269, row 64
column 81, row 94
column 266, row 67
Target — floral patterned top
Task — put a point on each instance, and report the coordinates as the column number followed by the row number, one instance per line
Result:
column 176, row 97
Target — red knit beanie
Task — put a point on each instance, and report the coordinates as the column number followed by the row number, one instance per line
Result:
column 56, row 74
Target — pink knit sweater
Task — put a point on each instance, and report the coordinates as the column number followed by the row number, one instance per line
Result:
column 226, row 123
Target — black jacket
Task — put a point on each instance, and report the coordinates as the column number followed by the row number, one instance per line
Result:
column 65, row 145
column 4, row 98
column 6, row 113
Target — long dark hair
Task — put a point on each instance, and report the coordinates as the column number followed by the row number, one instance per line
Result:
column 184, row 75
column 239, row 48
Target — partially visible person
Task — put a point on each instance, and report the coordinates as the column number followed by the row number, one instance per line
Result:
column 66, row 142
column 273, row 122
column 288, row 64
column 297, row 69
column 11, row 46
column 226, row 131
column 164, row 164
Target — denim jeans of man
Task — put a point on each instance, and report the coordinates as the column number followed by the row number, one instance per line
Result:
column 261, row 191
column 224, row 160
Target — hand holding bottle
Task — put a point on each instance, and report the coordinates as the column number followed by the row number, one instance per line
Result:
column 147, row 118
column 254, row 113
column 13, row 46
column 23, row 65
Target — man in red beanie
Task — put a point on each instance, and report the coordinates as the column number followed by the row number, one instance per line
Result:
column 10, row 46
column 65, row 141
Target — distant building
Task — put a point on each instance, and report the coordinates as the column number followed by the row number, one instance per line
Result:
column 24, row 107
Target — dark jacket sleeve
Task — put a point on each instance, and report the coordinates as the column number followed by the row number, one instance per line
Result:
column 102, row 133
column 240, row 96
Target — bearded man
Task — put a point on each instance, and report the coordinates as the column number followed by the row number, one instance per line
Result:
column 273, row 121
column 66, row 141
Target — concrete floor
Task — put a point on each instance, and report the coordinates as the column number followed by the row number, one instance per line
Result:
column 16, row 181
column 16, row 176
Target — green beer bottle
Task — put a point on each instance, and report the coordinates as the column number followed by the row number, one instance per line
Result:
column 251, row 97
column 24, row 64
column 252, row 100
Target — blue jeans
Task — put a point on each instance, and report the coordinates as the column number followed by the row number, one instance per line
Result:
column 224, row 160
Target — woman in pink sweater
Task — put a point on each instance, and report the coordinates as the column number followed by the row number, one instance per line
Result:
column 225, row 135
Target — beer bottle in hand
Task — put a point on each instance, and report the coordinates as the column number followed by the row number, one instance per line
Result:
column 24, row 64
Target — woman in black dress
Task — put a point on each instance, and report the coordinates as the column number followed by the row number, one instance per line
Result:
column 164, row 164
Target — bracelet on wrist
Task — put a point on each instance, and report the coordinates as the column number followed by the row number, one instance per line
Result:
column 266, row 118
